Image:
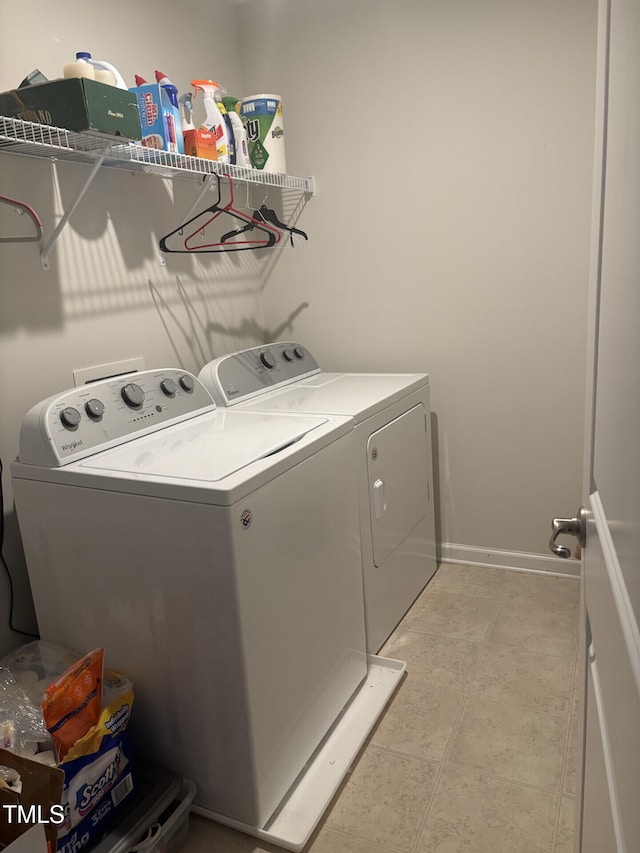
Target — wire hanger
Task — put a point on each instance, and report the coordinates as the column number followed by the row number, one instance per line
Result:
column 22, row 207
column 188, row 243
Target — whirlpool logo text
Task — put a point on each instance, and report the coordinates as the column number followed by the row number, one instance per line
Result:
column 72, row 445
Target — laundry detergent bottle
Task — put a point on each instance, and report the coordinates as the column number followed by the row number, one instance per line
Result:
column 239, row 137
column 215, row 120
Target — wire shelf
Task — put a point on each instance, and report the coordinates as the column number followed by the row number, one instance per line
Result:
column 41, row 140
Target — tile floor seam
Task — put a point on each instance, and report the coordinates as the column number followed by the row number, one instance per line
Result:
column 562, row 715
column 556, row 824
column 490, row 624
column 488, row 642
column 516, row 646
column 414, row 630
column 443, row 762
column 417, row 832
column 485, row 774
column 568, row 744
column 405, row 754
column 466, row 691
column 425, row 814
column 391, row 848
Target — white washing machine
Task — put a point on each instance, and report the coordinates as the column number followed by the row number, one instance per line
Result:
column 392, row 426
column 215, row 555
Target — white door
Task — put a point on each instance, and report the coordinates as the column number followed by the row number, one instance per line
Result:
column 609, row 817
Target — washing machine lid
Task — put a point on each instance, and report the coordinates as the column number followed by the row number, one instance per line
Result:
column 208, row 449
column 357, row 395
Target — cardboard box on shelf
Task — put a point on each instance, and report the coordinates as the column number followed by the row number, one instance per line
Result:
column 77, row 104
column 200, row 143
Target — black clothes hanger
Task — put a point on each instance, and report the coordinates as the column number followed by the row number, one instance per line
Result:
column 267, row 215
column 219, row 213
column 271, row 216
column 23, row 207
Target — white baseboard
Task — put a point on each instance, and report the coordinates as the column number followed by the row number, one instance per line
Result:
column 514, row 560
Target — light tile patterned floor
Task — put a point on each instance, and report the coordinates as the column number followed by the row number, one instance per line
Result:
column 476, row 751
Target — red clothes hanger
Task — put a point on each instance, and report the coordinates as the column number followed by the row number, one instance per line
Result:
column 23, row 207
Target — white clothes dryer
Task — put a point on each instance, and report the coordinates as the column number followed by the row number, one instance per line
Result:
column 391, row 413
column 214, row 554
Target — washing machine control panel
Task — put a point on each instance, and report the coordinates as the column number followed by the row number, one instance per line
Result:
column 78, row 422
column 242, row 375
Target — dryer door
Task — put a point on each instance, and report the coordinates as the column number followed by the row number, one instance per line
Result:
column 398, row 480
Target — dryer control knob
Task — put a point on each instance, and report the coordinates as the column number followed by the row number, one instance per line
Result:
column 168, row 387
column 267, row 359
column 70, row 418
column 94, row 408
column 298, row 352
column 187, row 384
column 133, row 395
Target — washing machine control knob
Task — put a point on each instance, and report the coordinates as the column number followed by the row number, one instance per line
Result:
column 168, row 387
column 298, row 352
column 70, row 417
column 267, row 359
column 287, row 355
column 133, row 395
column 187, row 384
column 94, row 408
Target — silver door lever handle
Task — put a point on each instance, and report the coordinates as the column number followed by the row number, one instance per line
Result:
column 570, row 526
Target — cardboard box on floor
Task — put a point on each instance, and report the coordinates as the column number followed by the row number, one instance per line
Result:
column 31, row 841
column 41, row 789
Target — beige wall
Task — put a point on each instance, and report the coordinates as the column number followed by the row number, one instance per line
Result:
column 451, row 143
column 452, row 148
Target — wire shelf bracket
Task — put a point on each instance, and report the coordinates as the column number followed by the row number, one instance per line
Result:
column 100, row 150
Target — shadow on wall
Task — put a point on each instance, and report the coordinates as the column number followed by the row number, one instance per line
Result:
column 192, row 332
column 109, row 249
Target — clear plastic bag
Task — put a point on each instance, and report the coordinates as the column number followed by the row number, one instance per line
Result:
column 21, row 724
column 35, row 665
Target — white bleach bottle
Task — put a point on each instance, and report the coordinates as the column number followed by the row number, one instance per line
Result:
column 80, row 67
column 103, row 71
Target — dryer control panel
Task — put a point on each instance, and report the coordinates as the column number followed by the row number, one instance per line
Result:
column 80, row 421
column 242, row 375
